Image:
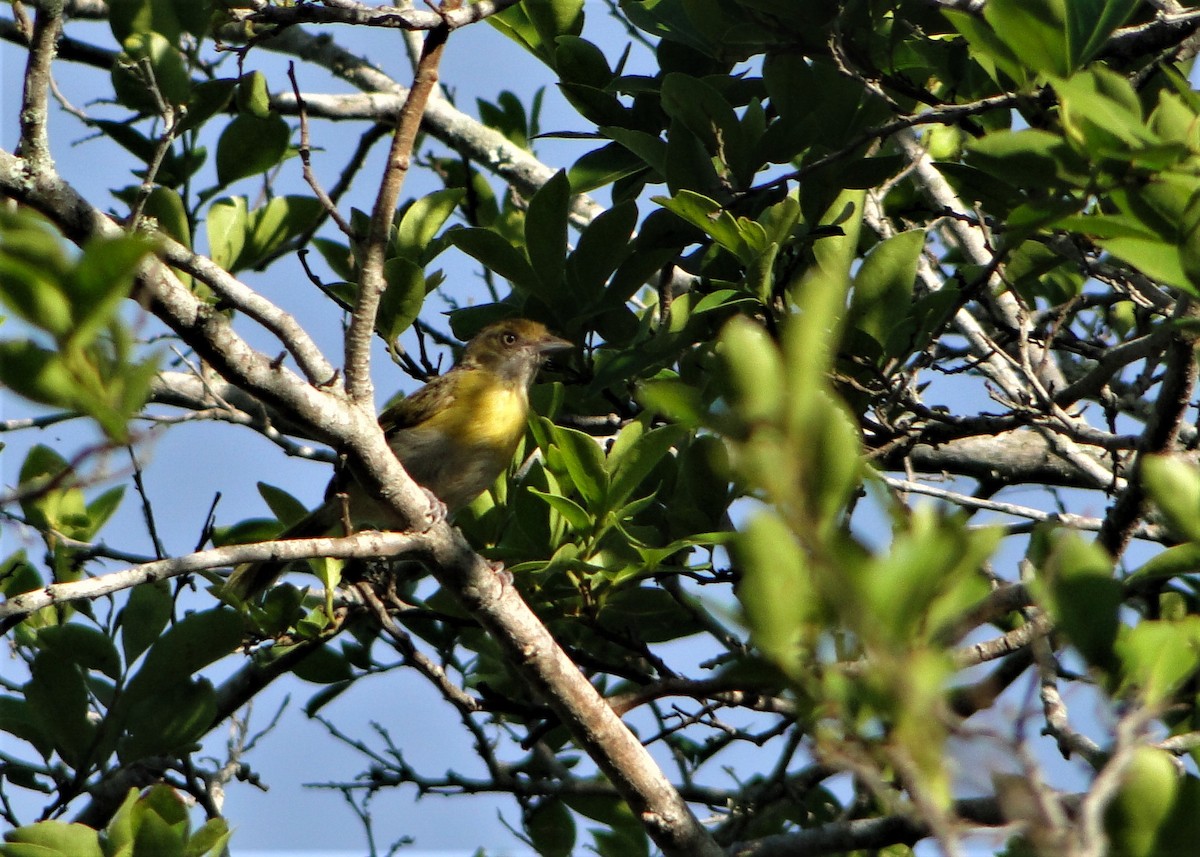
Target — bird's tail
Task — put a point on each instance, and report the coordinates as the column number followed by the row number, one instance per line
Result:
column 252, row 579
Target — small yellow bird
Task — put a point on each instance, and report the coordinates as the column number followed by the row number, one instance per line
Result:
column 454, row 436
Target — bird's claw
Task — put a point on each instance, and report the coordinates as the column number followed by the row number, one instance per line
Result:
column 437, row 509
column 500, row 571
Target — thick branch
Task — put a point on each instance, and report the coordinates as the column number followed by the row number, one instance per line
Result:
column 366, row 16
column 35, row 143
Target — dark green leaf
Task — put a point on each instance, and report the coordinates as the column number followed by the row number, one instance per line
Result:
column 58, row 699
column 143, row 618
column 18, row 719
column 551, row 829
column 86, row 647
column 883, row 285
column 283, row 505
column 601, row 249
column 208, row 99
column 603, row 166
column 323, row 665
column 497, row 255
column 189, row 645
column 173, row 717
column 546, row 234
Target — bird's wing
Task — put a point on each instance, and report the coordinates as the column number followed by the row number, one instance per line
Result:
column 417, row 408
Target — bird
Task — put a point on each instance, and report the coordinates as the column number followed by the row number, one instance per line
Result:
column 454, row 436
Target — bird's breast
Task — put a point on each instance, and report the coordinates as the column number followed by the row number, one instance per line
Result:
column 460, row 449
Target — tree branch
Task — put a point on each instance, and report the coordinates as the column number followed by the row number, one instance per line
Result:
column 367, row 544
column 371, row 282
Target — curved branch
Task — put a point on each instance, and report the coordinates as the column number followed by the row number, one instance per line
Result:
column 367, row 16
column 366, row 544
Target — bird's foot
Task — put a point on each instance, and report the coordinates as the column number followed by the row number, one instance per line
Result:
column 497, row 567
column 437, row 509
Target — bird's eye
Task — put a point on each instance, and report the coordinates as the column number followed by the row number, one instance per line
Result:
column 508, row 338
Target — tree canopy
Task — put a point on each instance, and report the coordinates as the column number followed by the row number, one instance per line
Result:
column 868, row 496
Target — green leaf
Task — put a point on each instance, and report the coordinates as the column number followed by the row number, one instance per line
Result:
column 1102, row 113
column 629, row 463
column 33, row 269
column 650, row 613
column 580, row 61
column 151, row 69
column 497, row 255
column 775, row 591
column 253, row 95
column 210, row 840
column 991, row 51
column 602, row 247
column 227, row 227
column 208, row 98
column 283, row 505
column 1035, row 31
column 602, row 167
column 421, row 222
column 554, row 18
column 704, row 111
column 551, row 828
column 170, row 18
column 86, row 647
column 270, row 226
column 189, row 645
column 584, row 462
column 1091, row 22
column 323, row 665
column 1157, row 259
column 249, row 146
column 883, row 285
column 100, row 280
column 174, row 716
column 679, row 402
column 1024, row 158
column 1172, row 562
column 709, row 216
column 1085, row 597
column 546, row 234
column 58, row 699
column 143, row 618
column 166, row 208
column 38, row 374
column 752, row 371
column 18, row 719
column 402, row 300
column 649, row 147
column 574, row 514
column 52, row 839
column 1174, row 486
column 1157, row 657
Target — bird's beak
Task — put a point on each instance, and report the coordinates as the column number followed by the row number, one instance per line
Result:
column 553, row 343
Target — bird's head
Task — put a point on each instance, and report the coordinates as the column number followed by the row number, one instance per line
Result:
column 513, row 349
